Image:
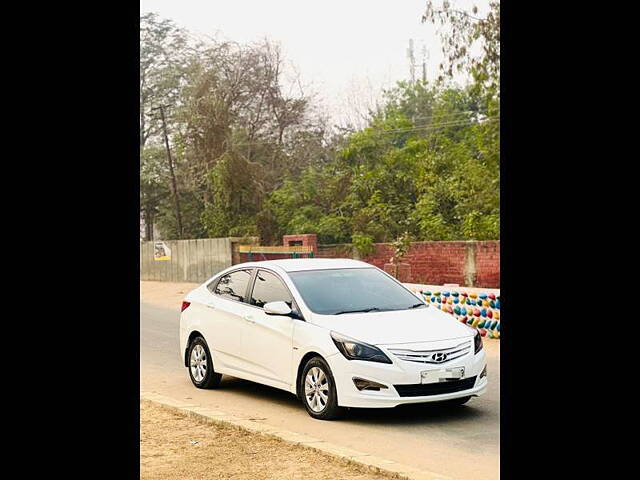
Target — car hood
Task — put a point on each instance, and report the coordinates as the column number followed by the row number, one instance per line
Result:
column 403, row 326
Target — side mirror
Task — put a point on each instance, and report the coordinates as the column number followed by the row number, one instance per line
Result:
column 277, row 308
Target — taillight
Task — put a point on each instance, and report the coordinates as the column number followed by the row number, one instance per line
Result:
column 185, row 305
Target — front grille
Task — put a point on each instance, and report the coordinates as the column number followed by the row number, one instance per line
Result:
column 440, row 355
column 438, row 388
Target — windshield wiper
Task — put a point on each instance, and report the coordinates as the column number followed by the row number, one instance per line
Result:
column 364, row 310
column 417, row 305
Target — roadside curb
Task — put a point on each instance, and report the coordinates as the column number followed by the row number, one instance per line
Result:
column 348, row 455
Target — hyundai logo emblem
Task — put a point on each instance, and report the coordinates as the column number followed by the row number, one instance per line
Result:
column 439, row 357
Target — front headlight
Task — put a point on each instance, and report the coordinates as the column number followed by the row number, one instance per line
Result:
column 355, row 350
column 477, row 341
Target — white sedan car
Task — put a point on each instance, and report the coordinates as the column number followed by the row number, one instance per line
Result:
column 336, row 333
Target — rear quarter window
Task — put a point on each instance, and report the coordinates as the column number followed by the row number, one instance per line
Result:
column 232, row 286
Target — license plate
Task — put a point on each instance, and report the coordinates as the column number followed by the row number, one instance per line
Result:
column 442, row 375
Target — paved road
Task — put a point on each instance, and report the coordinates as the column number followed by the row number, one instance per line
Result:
column 462, row 442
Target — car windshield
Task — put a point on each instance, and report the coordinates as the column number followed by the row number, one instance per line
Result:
column 352, row 290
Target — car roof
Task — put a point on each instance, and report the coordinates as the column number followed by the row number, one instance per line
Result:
column 300, row 264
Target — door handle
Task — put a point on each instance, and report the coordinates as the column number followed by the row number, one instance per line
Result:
column 249, row 319
column 211, row 305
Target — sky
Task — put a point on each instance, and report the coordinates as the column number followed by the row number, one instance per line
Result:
column 346, row 51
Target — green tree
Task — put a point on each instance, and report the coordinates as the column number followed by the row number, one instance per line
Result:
column 164, row 54
column 255, row 156
column 153, row 187
column 244, row 133
column 435, row 177
column 312, row 203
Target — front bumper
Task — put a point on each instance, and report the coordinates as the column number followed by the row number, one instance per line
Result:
column 400, row 372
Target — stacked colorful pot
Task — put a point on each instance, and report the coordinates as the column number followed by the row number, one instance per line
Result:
column 478, row 310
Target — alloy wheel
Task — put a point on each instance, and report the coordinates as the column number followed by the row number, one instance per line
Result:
column 198, row 363
column 316, row 389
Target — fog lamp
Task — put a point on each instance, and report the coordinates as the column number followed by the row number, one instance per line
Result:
column 362, row 384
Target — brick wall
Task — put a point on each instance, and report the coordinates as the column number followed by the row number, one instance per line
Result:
column 344, row 250
column 488, row 264
column 471, row 264
column 437, row 262
column 465, row 263
column 305, row 239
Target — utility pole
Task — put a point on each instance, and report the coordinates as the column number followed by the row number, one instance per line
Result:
column 174, row 183
column 425, row 56
column 412, row 61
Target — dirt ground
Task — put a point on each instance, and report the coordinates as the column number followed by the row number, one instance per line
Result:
column 173, row 445
column 165, row 294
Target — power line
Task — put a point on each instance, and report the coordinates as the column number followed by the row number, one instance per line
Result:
column 432, row 126
column 377, row 131
column 446, row 115
column 439, row 116
column 438, row 125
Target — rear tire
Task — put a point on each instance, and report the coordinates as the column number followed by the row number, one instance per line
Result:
column 200, row 366
column 318, row 390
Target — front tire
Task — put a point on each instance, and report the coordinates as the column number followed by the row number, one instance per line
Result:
column 318, row 390
column 200, row 367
